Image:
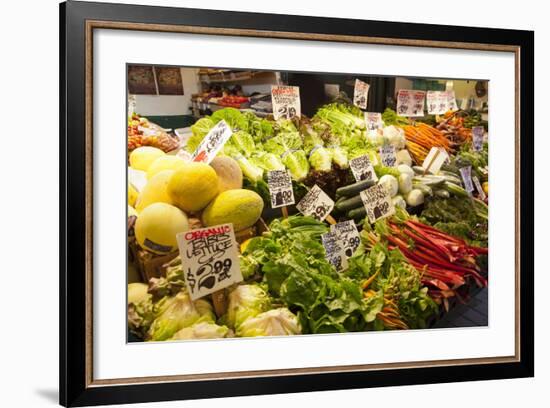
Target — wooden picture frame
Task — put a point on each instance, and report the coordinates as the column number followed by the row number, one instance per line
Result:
column 78, row 20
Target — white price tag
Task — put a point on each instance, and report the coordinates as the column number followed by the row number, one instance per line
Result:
column 212, row 143
column 335, row 252
column 477, row 138
column 435, row 159
column 466, row 173
column 316, row 203
column 377, row 202
column 347, row 235
column 410, row 102
column 285, row 101
column 361, row 94
column 280, row 188
column 362, row 169
column 437, row 102
column 480, row 192
column 451, row 101
column 210, row 259
column 387, row 156
column 373, row 120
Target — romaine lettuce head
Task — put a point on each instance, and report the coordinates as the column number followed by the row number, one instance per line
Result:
column 175, row 313
column 268, row 161
column 200, row 129
column 276, row 322
column 203, row 330
column 320, row 159
column 246, row 301
column 141, row 315
column 234, row 118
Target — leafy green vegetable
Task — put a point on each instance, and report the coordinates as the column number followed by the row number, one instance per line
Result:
column 245, row 301
column 390, row 117
column 175, row 313
column 203, row 330
column 288, row 145
column 276, row 322
column 462, row 217
column 200, row 129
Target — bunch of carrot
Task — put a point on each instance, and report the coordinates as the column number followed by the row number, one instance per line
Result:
column 422, row 137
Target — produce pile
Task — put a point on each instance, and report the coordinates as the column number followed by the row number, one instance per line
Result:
column 403, row 269
column 142, row 132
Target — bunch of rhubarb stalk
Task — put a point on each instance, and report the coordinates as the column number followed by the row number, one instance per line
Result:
column 446, row 262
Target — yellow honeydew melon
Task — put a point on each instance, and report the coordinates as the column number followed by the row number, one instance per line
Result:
column 155, row 190
column 229, row 173
column 132, row 195
column 193, row 186
column 240, row 207
column 157, row 226
column 165, row 162
column 142, row 157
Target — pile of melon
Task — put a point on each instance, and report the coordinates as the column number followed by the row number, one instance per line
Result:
column 177, row 190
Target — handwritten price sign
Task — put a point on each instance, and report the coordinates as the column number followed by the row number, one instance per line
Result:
column 280, row 188
column 212, row 143
column 316, row 203
column 347, row 235
column 373, row 120
column 362, row 169
column 361, row 94
column 285, row 101
column 410, row 102
column 210, row 259
column 387, row 155
column 477, row 138
column 377, row 202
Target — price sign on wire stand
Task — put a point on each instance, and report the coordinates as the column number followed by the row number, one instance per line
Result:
column 377, row 202
column 316, row 203
column 480, row 192
column 410, row 102
column 437, row 102
column 387, row 155
column 451, row 101
column 210, row 259
column 347, row 235
column 285, row 101
column 477, row 138
column 362, row 169
column 466, row 173
column 361, row 94
column 435, row 159
column 212, row 143
column 373, row 120
column 280, row 188
column 335, row 252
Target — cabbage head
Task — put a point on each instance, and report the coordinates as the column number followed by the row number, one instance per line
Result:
column 203, row 330
column 276, row 322
column 246, row 301
column 175, row 313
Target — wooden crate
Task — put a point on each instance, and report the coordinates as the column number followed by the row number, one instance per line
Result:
column 148, row 264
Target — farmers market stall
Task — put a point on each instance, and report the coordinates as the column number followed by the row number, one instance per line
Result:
column 275, row 223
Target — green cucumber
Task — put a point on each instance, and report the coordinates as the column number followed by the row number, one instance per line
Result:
column 349, row 203
column 426, row 190
column 357, row 213
column 354, row 189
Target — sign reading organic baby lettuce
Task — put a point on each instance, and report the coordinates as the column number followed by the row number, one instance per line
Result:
column 285, row 101
column 362, row 169
column 212, row 143
column 387, row 155
column 335, row 252
column 280, row 188
column 361, row 94
column 348, row 236
column 410, row 102
column 373, row 120
column 477, row 138
column 377, row 202
column 316, row 203
column 210, row 259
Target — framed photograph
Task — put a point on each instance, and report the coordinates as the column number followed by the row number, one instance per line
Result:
column 291, row 222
